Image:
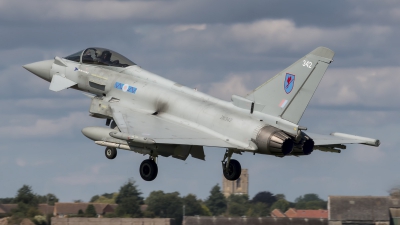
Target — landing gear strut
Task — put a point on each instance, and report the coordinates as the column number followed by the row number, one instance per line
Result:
column 230, row 167
column 111, row 153
column 148, row 169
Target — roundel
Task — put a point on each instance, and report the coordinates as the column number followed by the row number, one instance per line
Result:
column 125, row 87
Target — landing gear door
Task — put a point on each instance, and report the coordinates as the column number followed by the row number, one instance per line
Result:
column 183, row 151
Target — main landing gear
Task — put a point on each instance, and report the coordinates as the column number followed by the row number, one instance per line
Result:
column 148, row 169
column 230, row 167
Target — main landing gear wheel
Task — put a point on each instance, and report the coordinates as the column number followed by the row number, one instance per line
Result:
column 148, row 170
column 233, row 171
column 111, row 153
column 231, row 167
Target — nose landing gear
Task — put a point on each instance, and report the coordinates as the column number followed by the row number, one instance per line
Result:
column 111, row 153
column 231, row 168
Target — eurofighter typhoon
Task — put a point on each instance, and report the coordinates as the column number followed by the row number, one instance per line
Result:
column 148, row 114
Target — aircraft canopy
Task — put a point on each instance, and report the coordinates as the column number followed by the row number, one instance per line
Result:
column 100, row 56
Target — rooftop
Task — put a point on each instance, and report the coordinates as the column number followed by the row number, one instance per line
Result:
column 356, row 208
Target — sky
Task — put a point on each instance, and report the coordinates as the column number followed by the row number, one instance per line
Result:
column 221, row 48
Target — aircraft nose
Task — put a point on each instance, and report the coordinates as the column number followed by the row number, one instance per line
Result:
column 40, row 69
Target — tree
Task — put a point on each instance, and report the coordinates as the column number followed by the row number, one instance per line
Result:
column 258, row 209
column 165, row 205
column 264, row 197
column 94, row 198
column 50, row 199
column 316, row 205
column 108, row 195
column 280, row 196
column 127, row 190
column 308, row 198
column 90, row 211
column 39, row 220
column 26, row 196
column 129, row 200
column 27, row 205
column 129, row 207
column 238, row 205
column 216, row 202
column 192, row 205
column 281, row 204
column 6, row 200
column 108, row 198
column 80, row 213
column 205, row 211
column 310, row 201
column 395, row 192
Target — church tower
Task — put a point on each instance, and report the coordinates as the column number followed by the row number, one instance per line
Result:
column 237, row 187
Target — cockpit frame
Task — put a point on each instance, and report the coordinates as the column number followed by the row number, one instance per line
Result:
column 100, row 56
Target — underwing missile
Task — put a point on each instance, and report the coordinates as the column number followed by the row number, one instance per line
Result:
column 132, row 138
column 125, row 147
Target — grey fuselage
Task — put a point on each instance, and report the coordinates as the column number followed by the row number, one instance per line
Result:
column 153, row 115
column 153, row 94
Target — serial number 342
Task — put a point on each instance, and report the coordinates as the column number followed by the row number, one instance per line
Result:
column 307, row 64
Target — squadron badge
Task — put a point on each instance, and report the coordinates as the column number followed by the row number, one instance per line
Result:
column 289, row 83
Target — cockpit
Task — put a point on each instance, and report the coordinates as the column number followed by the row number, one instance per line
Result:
column 100, row 56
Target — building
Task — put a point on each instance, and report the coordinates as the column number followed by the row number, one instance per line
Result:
column 301, row 213
column 395, row 216
column 6, row 209
column 67, row 209
column 237, row 187
column 46, row 209
column 212, row 220
column 307, row 213
column 112, row 221
column 366, row 210
column 276, row 213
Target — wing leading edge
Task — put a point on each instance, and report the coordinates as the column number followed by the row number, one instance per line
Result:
column 161, row 130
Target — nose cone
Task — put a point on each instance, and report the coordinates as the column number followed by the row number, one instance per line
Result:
column 40, row 69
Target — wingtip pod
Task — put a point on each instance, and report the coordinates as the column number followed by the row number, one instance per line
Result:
column 323, row 52
column 365, row 140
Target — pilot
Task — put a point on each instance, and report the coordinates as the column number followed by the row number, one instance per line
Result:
column 105, row 57
column 87, row 56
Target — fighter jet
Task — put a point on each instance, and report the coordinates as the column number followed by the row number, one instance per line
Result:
column 150, row 115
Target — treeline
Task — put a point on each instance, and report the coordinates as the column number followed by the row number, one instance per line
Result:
column 172, row 205
column 27, row 206
column 166, row 205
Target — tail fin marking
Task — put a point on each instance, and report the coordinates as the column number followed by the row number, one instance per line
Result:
column 288, row 93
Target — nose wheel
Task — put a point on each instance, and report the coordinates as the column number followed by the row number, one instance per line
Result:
column 111, row 153
column 231, row 168
column 148, row 170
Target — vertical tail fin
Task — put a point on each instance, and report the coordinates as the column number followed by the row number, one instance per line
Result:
column 288, row 93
